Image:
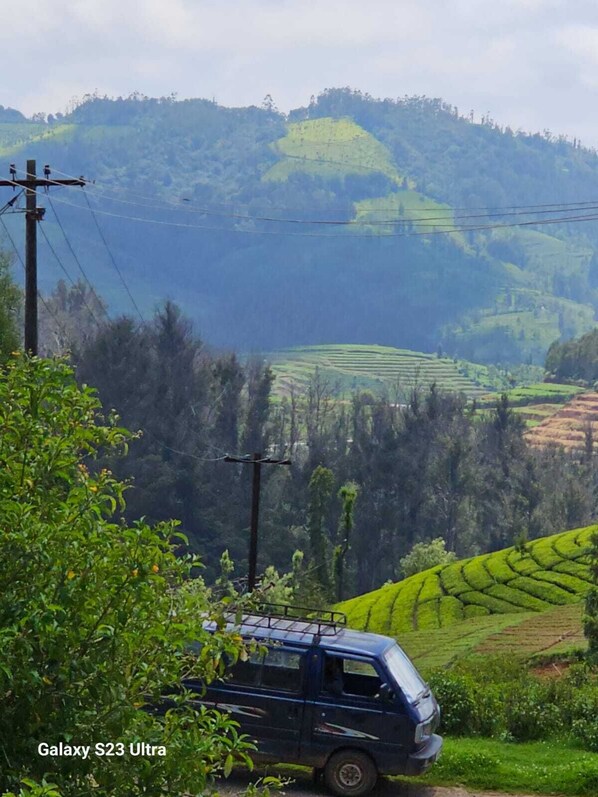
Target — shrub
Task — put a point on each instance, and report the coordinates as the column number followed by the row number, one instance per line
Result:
column 425, row 555
column 456, row 696
column 96, row 617
column 529, row 715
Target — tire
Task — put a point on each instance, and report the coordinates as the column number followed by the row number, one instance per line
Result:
column 350, row 773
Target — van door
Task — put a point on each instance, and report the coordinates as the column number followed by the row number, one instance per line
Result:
column 348, row 710
column 266, row 696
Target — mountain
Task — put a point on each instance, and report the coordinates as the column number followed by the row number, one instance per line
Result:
column 217, row 207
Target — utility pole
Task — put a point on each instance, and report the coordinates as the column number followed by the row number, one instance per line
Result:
column 256, row 461
column 33, row 214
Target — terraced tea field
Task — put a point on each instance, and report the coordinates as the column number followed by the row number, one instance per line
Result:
column 488, row 603
column 535, row 403
column 569, row 426
column 353, row 367
column 539, row 394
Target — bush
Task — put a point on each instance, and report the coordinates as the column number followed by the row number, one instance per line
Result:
column 425, row 555
column 95, row 617
column 456, row 697
column 585, row 718
column 529, row 715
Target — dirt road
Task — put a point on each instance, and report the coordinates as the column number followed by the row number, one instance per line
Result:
column 303, row 786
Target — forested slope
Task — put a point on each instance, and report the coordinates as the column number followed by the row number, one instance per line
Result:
column 217, row 208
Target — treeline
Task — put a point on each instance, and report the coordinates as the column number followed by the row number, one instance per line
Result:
column 574, row 360
column 369, row 478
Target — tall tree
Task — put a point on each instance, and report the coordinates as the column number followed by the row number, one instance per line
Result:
column 348, row 495
column 10, row 305
column 321, row 485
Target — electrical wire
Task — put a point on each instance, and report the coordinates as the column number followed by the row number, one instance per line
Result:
column 405, row 234
column 61, row 326
column 72, row 251
column 183, row 453
column 508, row 210
column 114, row 263
column 62, row 266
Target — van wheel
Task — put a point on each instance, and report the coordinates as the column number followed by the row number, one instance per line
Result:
column 350, row 773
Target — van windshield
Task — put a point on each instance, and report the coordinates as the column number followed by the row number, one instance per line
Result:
column 405, row 674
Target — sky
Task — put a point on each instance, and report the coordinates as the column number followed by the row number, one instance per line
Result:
column 529, row 64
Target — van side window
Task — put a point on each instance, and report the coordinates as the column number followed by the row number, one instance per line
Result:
column 247, row 672
column 350, row 677
column 283, row 670
column 279, row 669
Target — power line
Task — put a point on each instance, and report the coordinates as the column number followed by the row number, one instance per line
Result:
column 72, row 251
column 40, row 295
column 68, row 276
column 461, row 213
column 114, row 263
column 451, row 229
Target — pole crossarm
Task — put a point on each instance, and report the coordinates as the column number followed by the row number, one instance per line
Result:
column 247, row 459
column 41, row 183
column 33, row 215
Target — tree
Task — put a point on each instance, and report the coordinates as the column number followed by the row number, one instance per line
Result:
column 10, row 303
column 96, row 616
column 590, row 620
column 320, row 493
column 348, row 495
column 69, row 318
column 424, row 555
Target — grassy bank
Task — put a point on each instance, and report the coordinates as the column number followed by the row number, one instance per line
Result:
column 524, row 768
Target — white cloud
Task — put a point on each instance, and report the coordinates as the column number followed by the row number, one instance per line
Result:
column 531, row 63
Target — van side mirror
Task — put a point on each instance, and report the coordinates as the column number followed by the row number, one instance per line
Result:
column 385, row 693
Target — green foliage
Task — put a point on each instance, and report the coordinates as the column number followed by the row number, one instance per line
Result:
column 381, row 368
column 575, row 359
column 96, row 614
column 547, row 767
column 498, row 697
column 455, row 695
column 443, row 595
column 346, row 157
column 425, row 555
column 591, row 607
column 10, row 303
column 320, row 493
column 348, row 496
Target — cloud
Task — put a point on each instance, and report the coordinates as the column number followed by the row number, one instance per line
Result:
column 531, row 63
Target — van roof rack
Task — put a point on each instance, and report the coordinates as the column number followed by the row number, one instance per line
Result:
column 295, row 619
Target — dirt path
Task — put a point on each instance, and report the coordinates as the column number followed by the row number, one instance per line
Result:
column 303, row 786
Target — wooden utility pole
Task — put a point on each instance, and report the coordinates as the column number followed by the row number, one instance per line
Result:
column 257, row 461
column 33, row 214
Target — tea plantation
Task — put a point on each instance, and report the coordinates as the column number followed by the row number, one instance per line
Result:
column 487, row 603
column 351, row 367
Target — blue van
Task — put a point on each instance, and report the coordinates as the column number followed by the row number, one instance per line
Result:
column 347, row 703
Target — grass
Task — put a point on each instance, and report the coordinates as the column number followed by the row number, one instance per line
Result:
column 408, row 206
column 526, row 602
column 551, row 768
column 351, row 367
column 13, row 137
column 529, row 768
column 331, row 148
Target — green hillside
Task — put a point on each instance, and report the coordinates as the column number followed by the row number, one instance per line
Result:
column 330, row 148
column 274, row 231
column 351, row 367
column 496, row 588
